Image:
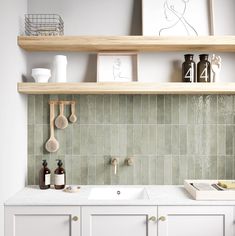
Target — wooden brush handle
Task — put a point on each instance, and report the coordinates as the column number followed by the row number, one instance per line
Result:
column 52, row 116
column 61, row 108
column 73, row 108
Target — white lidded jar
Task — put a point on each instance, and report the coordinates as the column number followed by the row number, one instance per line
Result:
column 60, row 69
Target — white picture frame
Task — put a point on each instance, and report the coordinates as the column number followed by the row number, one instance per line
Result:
column 176, row 18
column 117, row 67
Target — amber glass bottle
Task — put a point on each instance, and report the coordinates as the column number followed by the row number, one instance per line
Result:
column 60, row 177
column 44, row 176
column 189, row 69
column 203, row 69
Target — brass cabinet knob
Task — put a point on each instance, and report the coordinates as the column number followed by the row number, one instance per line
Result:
column 162, row 218
column 152, row 218
column 75, row 218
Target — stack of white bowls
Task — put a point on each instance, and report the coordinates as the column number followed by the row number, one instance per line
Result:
column 41, row 75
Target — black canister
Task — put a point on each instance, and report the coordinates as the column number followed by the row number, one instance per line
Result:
column 204, row 69
column 189, row 69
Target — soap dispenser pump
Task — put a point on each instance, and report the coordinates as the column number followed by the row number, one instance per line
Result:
column 44, row 176
column 60, row 177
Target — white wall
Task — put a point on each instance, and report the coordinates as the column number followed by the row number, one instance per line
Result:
column 112, row 17
column 13, row 115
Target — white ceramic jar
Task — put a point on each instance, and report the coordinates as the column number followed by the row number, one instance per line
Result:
column 60, row 69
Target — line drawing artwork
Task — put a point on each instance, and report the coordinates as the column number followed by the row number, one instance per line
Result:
column 117, row 70
column 174, row 12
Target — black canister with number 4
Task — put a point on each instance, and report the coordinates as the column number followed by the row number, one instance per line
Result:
column 189, row 69
column 203, row 69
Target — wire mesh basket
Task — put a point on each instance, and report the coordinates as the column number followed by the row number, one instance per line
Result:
column 43, row 25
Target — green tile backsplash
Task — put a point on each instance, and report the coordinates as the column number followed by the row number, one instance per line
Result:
column 170, row 137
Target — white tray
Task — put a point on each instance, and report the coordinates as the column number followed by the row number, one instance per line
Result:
column 208, row 195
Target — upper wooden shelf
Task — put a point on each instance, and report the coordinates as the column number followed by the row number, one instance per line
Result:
column 127, row 43
column 126, row 88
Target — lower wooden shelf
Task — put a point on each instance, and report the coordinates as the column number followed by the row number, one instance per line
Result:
column 126, row 88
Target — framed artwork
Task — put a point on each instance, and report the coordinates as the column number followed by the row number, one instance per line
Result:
column 117, row 67
column 176, row 17
column 223, row 17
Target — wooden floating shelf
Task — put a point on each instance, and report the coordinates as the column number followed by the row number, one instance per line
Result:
column 127, row 43
column 126, row 88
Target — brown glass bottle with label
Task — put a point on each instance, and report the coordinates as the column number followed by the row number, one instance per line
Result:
column 204, row 69
column 60, row 177
column 44, row 176
column 189, row 69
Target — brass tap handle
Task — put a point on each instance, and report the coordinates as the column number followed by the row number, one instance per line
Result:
column 153, row 218
column 130, row 161
column 162, row 218
column 75, row 218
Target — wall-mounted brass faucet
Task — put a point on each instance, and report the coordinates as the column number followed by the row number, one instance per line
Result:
column 114, row 162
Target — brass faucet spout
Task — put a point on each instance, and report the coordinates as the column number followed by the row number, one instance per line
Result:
column 114, row 162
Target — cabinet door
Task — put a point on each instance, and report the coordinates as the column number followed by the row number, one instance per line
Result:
column 195, row 221
column 42, row 221
column 119, row 221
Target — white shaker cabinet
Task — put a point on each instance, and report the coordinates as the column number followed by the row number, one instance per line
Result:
column 195, row 221
column 42, row 221
column 119, row 221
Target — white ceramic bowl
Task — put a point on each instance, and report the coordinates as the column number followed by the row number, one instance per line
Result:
column 41, row 75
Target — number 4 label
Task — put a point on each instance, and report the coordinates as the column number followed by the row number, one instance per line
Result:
column 204, row 75
column 189, row 74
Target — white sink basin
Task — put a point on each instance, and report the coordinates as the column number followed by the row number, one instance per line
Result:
column 118, row 193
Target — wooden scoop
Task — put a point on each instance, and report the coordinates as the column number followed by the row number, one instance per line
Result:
column 52, row 145
column 61, row 121
column 73, row 117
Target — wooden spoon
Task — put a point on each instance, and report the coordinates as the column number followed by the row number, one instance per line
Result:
column 52, row 145
column 61, row 121
column 73, row 117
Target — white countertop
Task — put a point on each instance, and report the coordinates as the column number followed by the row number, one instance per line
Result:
column 158, row 195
